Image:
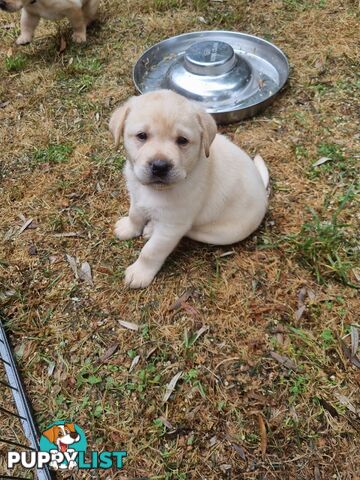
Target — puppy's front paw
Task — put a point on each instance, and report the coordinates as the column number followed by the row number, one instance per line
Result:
column 125, row 229
column 138, row 276
column 79, row 37
column 23, row 39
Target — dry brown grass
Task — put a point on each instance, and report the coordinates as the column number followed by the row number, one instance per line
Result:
column 248, row 299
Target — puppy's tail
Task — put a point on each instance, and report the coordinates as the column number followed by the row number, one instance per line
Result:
column 262, row 169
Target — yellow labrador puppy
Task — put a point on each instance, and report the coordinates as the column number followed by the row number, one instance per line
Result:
column 79, row 12
column 183, row 180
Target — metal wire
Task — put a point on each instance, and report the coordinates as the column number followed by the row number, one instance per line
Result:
column 22, row 406
column 7, row 385
column 10, row 442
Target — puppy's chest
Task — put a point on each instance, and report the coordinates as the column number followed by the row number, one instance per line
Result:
column 159, row 205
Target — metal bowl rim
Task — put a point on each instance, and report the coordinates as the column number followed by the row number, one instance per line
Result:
column 248, row 35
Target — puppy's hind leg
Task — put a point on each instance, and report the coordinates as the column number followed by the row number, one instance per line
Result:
column 28, row 24
column 77, row 20
column 90, row 9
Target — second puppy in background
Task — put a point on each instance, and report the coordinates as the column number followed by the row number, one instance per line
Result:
column 79, row 12
column 183, row 180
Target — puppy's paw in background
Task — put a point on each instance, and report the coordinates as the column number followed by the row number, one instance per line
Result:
column 79, row 37
column 138, row 276
column 24, row 39
column 125, row 229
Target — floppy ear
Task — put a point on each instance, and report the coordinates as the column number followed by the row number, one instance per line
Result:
column 117, row 121
column 208, row 129
column 51, row 434
column 70, row 426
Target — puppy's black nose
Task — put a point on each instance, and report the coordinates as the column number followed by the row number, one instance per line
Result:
column 74, row 435
column 3, row 5
column 160, row 168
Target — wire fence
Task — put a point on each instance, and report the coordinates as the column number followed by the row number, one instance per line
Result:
column 17, row 426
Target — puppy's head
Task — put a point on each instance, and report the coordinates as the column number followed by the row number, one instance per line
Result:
column 11, row 5
column 62, row 435
column 165, row 135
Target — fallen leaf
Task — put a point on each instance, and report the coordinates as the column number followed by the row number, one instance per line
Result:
column 317, row 475
column 287, row 362
column 311, row 294
column 4, row 104
column 200, row 332
column 109, row 352
column 332, row 410
column 301, row 296
column 129, row 325
column 227, row 254
column 213, row 440
column 263, row 435
column 356, row 272
column 33, row 225
column 170, row 387
column 321, row 161
column 150, row 352
column 103, row 269
column 51, row 368
column 166, row 423
column 68, row 235
column 32, row 251
column 134, row 363
column 25, row 225
column 225, row 467
column 236, row 447
column 346, row 402
column 190, row 309
column 348, row 354
column 354, row 340
column 299, row 312
column 72, row 262
column 63, row 45
column 182, row 299
column 85, row 274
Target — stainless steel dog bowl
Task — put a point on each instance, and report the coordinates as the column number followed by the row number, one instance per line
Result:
column 234, row 75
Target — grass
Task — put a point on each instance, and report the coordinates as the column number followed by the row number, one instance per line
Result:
column 15, row 63
column 295, row 297
column 322, row 244
column 53, row 154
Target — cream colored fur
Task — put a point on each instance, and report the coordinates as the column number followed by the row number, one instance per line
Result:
column 79, row 12
column 215, row 193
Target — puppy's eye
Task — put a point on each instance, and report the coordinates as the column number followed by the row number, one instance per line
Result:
column 142, row 136
column 60, row 434
column 67, row 431
column 182, row 141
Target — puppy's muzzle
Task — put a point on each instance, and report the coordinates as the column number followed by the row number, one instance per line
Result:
column 74, row 435
column 159, row 169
